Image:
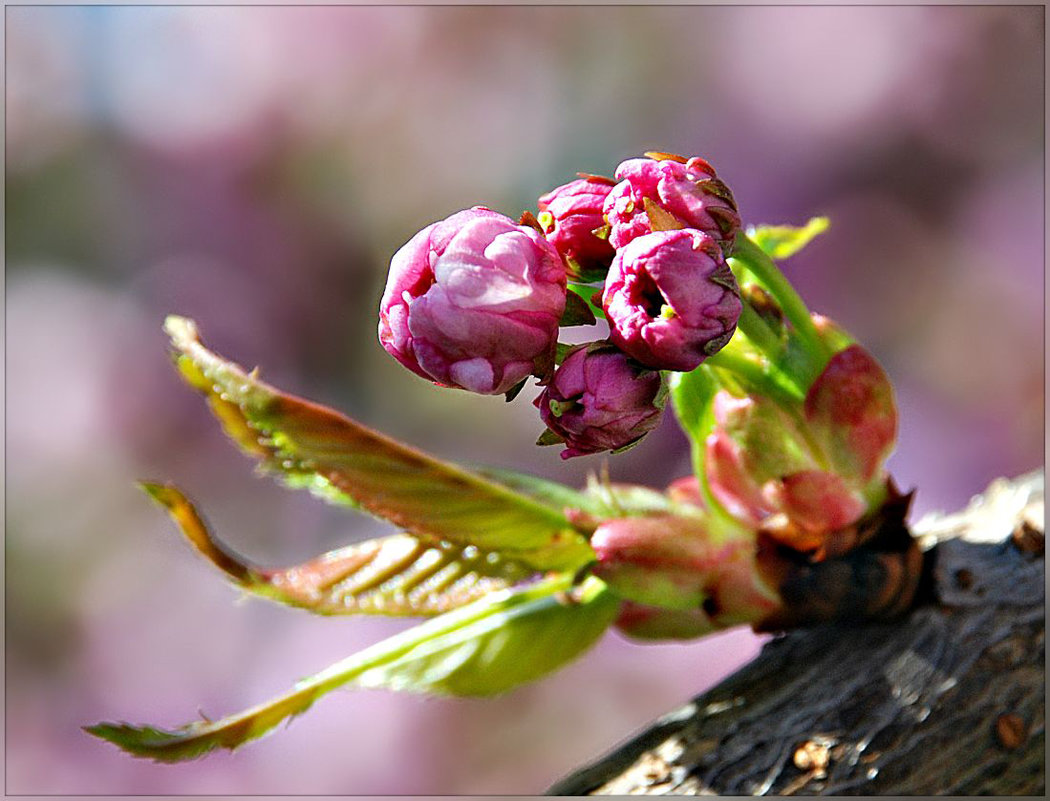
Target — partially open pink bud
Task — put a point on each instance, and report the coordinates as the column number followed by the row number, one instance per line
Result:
column 474, row 302
column 598, row 400
column 571, row 215
column 852, row 414
column 685, row 190
column 671, row 299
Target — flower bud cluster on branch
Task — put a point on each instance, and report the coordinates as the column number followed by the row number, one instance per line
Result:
column 790, row 516
column 475, row 301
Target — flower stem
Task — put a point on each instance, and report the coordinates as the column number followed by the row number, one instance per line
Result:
column 756, row 376
column 766, row 272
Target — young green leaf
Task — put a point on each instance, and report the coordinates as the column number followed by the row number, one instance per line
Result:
column 314, row 446
column 396, row 575
column 782, row 241
column 496, row 643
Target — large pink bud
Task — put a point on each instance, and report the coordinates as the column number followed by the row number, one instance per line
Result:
column 571, row 215
column 671, row 300
column 474, row 302
column 684, row 192
column 599, row 400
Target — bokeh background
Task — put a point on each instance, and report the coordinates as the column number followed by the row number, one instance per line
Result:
column 255, row 168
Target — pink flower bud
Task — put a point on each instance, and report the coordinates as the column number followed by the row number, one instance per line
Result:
column 852, row 413
column 598, row 400
column 570, row 216
column 671, row 299
column 474, row 302
column 685, row 190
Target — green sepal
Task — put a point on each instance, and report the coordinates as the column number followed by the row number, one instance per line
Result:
column 660, row 219
column 784, row 241
column 515, row 390
column 497, row 643
column 587, row 294
column 310, row 445
column 549, row 437
column 577, row 311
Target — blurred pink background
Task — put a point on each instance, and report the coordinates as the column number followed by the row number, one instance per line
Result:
column 255, row 168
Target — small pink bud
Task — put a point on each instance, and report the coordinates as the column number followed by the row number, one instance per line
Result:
column 570, row 216
column 671, row 299
column 852, row 413
column 687, row 191
column 598, row 400
column 474, row 302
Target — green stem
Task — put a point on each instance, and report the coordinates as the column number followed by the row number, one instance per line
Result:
column 759, row 332
column 768, row 274
column 755, row 376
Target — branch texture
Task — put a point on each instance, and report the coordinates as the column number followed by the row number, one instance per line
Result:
column 948, row 700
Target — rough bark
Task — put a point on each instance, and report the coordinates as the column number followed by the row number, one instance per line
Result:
column 947, row 700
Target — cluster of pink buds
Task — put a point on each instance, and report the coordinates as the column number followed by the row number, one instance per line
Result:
column 476, row 301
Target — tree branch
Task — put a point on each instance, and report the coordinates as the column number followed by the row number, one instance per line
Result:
column 949, row 700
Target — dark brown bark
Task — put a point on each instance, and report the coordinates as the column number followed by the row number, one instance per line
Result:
column 947, row 700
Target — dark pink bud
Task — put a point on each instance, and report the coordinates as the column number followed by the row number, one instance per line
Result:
column 852, row 413
column 571, row 215
column 474, row 302
column 671, row 299
column 598, row 400
column 686, row 191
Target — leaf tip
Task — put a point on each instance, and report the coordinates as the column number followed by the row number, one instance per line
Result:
column 164, row 494
column 145, row 741
column 180, row 328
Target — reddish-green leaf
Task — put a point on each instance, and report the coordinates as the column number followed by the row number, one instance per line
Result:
column 313, row 446
column 395, row 575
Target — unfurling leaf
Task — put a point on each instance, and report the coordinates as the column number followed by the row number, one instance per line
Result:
column 492, row 645
column 313, row 446
column 782, row 241
column 396, row 575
